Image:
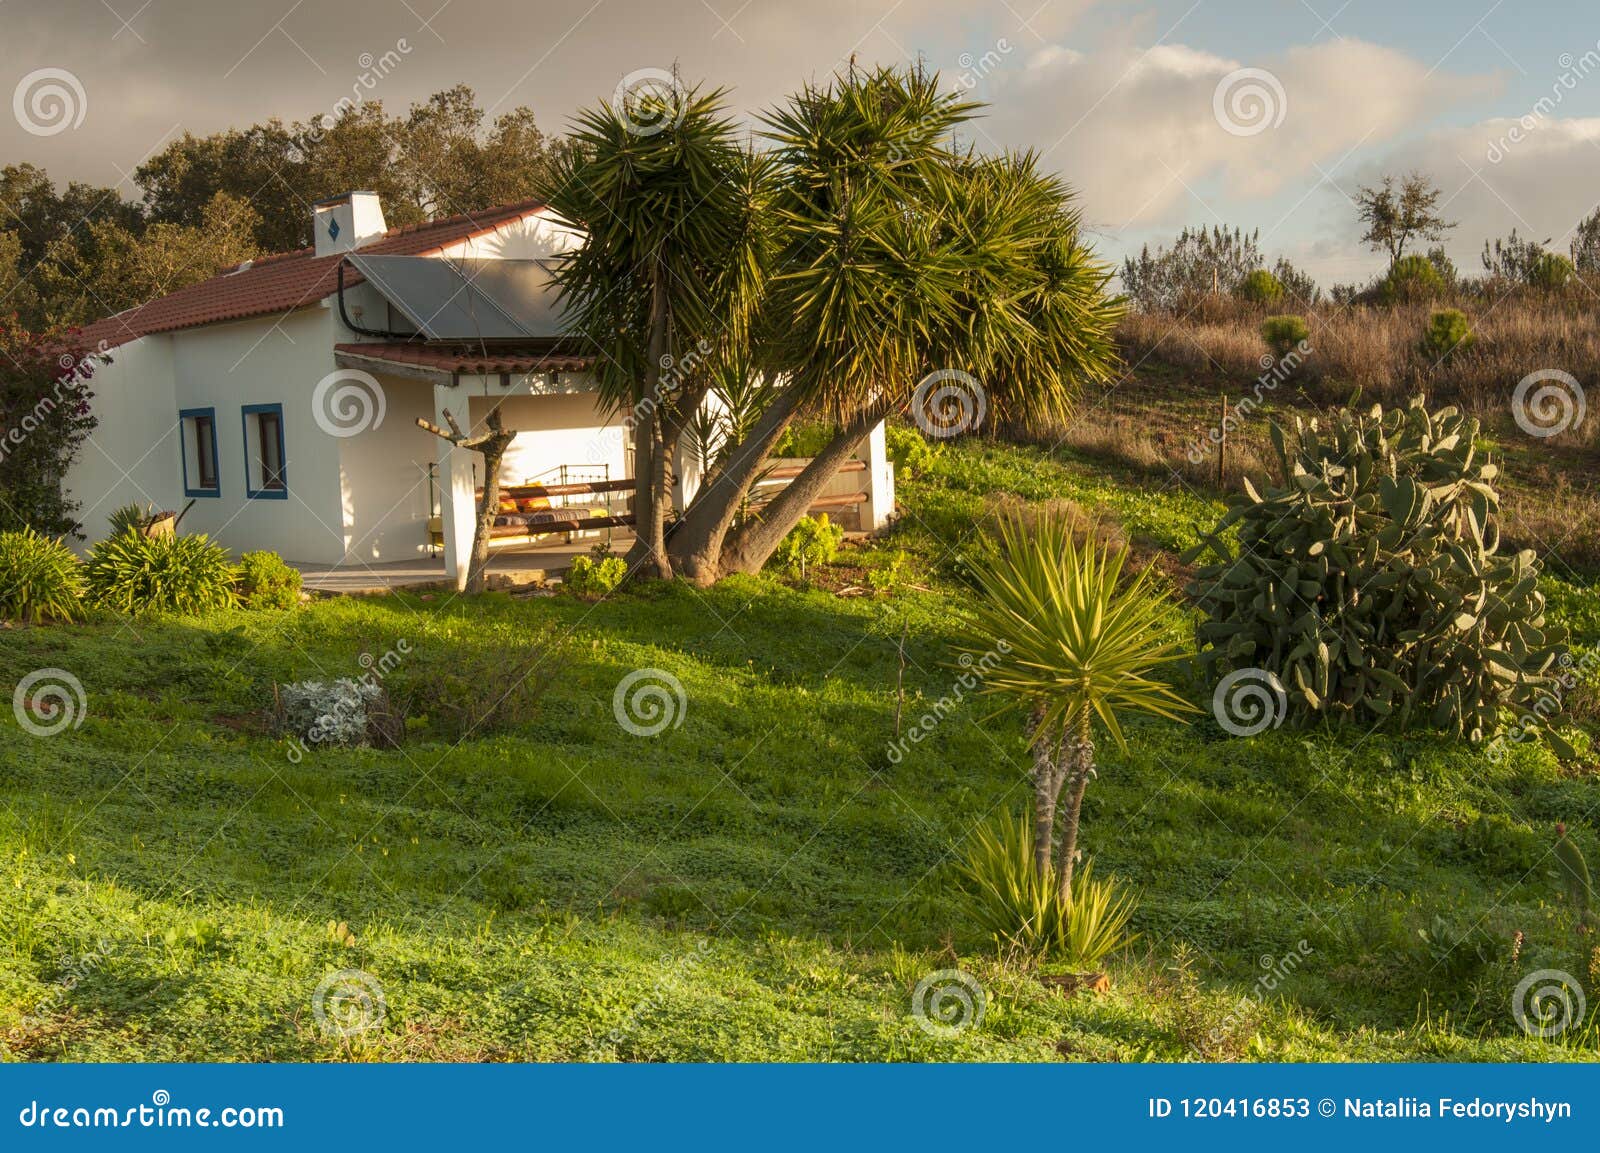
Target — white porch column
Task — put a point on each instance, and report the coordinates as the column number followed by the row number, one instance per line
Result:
column 457, row 509
column 879, row 508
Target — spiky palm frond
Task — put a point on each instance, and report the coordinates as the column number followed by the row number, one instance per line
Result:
column 1079, row 640
column 1006, row 895
column 679, row 208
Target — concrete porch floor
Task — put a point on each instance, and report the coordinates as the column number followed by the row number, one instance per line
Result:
column 510, row 566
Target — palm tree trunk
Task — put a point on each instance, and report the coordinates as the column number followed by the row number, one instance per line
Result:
column 1046, row 789
column 651, row 471
column 697, row 544
column 748, row 549
column 1081, row 758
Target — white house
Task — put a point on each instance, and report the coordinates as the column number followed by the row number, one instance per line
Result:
column 281, row 397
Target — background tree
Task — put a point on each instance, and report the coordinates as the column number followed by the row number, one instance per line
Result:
column 1394, row 217
column 1203, row 262
column 113, row 268
column 1585, row 246
column 44, row 420
column 79, row 253
column 438, row 159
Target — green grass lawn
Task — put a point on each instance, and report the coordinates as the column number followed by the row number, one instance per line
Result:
column 761, row 879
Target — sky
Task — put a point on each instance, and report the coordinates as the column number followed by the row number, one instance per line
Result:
column 1160, row 114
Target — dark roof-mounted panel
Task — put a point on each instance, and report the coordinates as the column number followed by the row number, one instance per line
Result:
column 462, row 299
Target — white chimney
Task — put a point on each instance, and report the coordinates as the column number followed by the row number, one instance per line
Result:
column 343, row 223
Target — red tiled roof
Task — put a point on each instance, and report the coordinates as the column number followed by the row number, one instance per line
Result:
column 455, row 358
column 288, row 280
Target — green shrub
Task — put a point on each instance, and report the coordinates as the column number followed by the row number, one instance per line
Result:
column 804, row 440
column 909, row 450
column 40, row 579
column 1284, row 333
column 595, row 575
column 491, row 682
column 812, row 541
column 1551, row 272
column 1411, row 278
column 1370, row 587
column 136, row 574
column 1447, row 331
column 134, row 517
column 267, row 581
column 1260, row 287
column 1007, row 897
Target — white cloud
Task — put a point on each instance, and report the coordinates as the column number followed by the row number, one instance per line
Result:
column 1136, row 131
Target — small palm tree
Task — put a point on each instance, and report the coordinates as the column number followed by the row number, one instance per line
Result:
column 1079, row 645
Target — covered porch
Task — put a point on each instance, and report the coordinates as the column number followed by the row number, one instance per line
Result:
column 566, row 479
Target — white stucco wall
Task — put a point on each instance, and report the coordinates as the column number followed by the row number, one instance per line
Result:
column 564, row 428
column 273, row 361
column 131, row 456
column 383, row 477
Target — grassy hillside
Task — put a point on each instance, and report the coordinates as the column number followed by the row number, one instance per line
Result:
column 762, row 880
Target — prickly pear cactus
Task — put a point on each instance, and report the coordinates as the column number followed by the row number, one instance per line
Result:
column 1371, row 585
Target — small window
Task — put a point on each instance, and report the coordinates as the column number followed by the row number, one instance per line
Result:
column 197, row 428
column 265, row 471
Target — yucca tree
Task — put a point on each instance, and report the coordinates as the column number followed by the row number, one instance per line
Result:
column 670, row 264
column 1080, row 645
column 897, row 255
column 858, row 252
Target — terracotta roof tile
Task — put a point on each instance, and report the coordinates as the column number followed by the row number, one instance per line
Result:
column 286, row 281
column 455, row 358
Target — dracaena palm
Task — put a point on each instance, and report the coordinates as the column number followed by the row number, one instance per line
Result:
column 1078, row 645
column 897, row 255
column 669, row 205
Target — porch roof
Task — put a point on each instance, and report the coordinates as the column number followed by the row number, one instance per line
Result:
column 455, row 358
